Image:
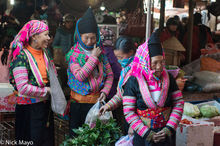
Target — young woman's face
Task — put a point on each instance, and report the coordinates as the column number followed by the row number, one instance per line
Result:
column 42, row 39
column 120, row 55
column 89, row 39
column 157, row 63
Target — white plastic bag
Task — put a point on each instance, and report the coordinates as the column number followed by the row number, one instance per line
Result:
column 125, row 141
column 93, row 115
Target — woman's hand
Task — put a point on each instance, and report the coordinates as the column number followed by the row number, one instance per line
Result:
column 130, row 131
column 103, row 109
column 96, row 51
column 48, row 90
column 159, row 136
column 102, row 97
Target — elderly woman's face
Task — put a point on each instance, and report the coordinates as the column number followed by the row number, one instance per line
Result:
column 157, row 63
column 42, row 39
column 89, row 39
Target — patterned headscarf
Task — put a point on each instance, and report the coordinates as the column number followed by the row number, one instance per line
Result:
column 107, row 36
column 22, row 38
column 142, row 64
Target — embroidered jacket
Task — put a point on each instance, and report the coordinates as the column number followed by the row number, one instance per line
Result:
column 26, row 78
column 85, row 80
column 136, row 96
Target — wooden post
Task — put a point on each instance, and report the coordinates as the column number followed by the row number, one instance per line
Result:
column 162, row 14
column 190, row 31
column 148, row 22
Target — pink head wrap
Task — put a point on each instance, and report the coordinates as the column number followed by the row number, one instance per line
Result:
column 142, row 63
column 22, row 38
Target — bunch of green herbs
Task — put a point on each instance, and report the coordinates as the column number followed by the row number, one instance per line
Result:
column 103, row 134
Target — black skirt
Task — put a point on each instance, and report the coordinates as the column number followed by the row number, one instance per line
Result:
column 34, row 123
column 78, row 113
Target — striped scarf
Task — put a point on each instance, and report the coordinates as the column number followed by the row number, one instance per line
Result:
column 28, row 30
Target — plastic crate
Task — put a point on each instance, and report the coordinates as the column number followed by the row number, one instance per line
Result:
column 61, row 130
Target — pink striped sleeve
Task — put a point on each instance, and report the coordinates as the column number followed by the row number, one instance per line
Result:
column 115, row 102
column 21, row 79
column 129, row 108
column 82, row 73
column 177, row 110
column 109, row 79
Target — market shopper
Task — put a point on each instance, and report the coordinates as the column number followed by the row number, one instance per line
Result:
column 63, row 40
column 90, row 75
column 152, row 102
column 108, row 39
column 124, row 50
column 30, row 78
column 200, row 38
column 170, row 30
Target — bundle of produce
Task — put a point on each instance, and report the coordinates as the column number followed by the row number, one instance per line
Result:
column 191, row 110
column 209, row 111
column 102, row 134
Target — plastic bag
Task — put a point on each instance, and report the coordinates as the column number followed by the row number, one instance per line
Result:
column 125, row 141
column 93, row 115
column 58, row 100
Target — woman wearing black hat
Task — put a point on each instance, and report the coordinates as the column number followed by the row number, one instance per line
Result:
column 152, row 102
column 90, row 75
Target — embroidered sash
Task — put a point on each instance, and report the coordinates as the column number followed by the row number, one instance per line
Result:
column 146, row 95
column 35, row 69
column 155, row 118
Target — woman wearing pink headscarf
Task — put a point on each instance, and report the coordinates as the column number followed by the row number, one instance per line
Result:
column 30, row 78
column 152, row 102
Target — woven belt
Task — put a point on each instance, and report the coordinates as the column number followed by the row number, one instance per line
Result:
column 91, row 98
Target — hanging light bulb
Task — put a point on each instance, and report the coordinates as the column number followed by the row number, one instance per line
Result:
column 102, row 7
column 12, row 2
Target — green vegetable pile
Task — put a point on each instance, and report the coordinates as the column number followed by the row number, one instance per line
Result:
column 209, row 111
column 101, row 135
column 205, row 111
column 191, row 110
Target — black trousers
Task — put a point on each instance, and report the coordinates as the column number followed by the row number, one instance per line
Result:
column 31, row 124
column 78, row 113
column 139, row 141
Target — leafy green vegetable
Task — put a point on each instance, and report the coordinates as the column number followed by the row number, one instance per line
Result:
column 103, row 134
column 209, row 111
column 191, row 110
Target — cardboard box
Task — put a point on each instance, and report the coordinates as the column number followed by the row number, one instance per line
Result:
column 200, row 133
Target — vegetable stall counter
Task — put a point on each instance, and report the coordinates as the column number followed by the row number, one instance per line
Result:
column 199, row 96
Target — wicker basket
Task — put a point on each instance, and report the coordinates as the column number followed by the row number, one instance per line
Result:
column 7, row 125
column 7, row 130
column 61, row 129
